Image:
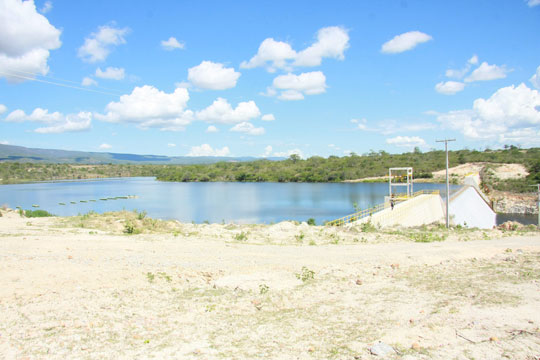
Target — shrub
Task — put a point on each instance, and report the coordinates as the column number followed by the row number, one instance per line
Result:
column 241, row 236
column 311, row 221
column 36, row 213
column 305, row 275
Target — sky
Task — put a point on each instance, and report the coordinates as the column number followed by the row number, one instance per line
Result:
column 269, row 78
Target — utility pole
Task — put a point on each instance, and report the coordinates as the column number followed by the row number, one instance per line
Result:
column 445, row 141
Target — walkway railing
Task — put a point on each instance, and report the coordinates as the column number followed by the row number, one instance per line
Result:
column 368, row 212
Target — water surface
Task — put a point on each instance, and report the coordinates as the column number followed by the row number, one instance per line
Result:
column 198, row 202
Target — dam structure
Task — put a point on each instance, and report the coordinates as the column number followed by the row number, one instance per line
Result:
column 468, row 207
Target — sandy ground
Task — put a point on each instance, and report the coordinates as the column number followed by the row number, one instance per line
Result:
column 81, row 288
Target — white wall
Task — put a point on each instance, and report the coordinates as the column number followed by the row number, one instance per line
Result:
column 469, row 209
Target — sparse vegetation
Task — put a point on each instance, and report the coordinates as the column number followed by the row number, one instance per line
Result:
column 241, row 236
column 36, row 213
column 305, row 274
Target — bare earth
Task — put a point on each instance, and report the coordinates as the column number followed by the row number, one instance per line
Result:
column 80, row 288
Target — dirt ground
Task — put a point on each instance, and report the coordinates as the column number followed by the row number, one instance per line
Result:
column 82, row 288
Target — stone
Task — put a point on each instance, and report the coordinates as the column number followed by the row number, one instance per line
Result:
column 381, row 349
column 358, row 282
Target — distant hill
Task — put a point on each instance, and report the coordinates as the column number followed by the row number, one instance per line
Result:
column 13, row 153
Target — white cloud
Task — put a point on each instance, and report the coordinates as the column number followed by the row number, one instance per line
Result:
column 535, row 79
column 171, row 145
column 286, row 154
column 487, row 72
column 88, row 81
column 449, row 87
column 533, row 3
column 294, row 87
column 267, row 151
column 510, row 110
column 222, row 112
column 149, row 107
column 171, row 44
column 268, row 117
column 3, row 109
column 289, row 95
column 27, row 37
column 213, row 76
column 206, row 150
column 105, row 146
column 111, row 73
column 404, row 42
column 182, row 84
column 388, row 127
column 47, row 6
column 55, row 122
column 4, row 142
column 271, row 51
column 98, row 45
column 458, row 74
column 248, row 128
column 406, row 141
column 212, row 129
column 331, row 43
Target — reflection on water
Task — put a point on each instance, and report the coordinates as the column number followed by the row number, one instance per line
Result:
column 215, row 202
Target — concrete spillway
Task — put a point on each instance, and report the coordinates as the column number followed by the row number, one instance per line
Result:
column 420, row 210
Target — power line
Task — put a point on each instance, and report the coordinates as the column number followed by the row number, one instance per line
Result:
column 58, row 83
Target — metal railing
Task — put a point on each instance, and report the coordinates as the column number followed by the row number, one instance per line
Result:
column 368, row 212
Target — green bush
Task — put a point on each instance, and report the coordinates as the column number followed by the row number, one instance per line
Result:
column 36, row 213
column 311, row 221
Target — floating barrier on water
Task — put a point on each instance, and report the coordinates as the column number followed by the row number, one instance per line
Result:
column 34, row 205
column 73, row 202
column 83, row 201
column 61, row 203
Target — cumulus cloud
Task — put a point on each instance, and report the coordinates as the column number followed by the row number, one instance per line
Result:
column 4, row 142
column 222, row 112
column 486, row 72
column 88, row 81
column 27, row 37
column 294, row 87
column 273, row 54
column 268, row 117
column 535, row 79
column 98, row 45
column 3, row 109
column 459, row 74
column 331, row 42
column 449, row 87
column 533, row 3
column 105, row 146
column 404, row 42
column 406, row 141
column 171, row 145
column 510, row 110
column 47, row 6
column 212, row 129
column 206, row 150
column 248, row 128
column 111, row 73
column 55, row 122
column 267, row 151
column 171, row 44
column 148, row 107
column 213, row 76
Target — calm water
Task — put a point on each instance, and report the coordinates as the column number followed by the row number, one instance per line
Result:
column 215, row 202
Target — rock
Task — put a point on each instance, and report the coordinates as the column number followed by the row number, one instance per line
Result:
column 358, row 282
column 415, row 346
column 493, row 338
column 381, row 349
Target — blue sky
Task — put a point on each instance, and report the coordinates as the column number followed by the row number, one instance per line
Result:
column 269, row 78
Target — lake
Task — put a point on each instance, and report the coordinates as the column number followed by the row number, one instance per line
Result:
column 199, row 202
